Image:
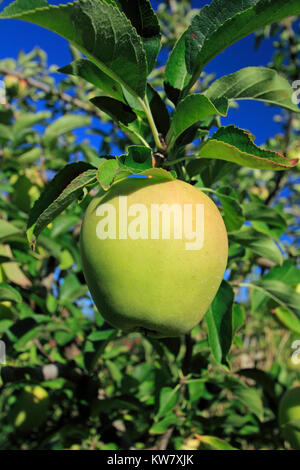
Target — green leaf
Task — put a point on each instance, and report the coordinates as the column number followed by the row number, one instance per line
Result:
column 219, row 323
column 5, row 132
column 30, row 157
column 158, row 174
column 12, row 270
column 139, row 158
column 7, row 229
column 100, row 335
column 87, row 70
column 98, row 30
column 259, row 211
column 5, row 325
column 176, row 76
column 28, row 120
column 8, row 293
column 233, row 211
column 164, row 424
column 281, row 293
column 263, row 379
column 217, row 26
column 58, row 194
column 250, row 397
column 168, row 399
column 214, row 443
column 71, row 289
column 118, row 111
column 288, row 319
column 145, row 21
column 192, row 109
column 62, row 125
column 287, row 273
column 238, row 316
column 116, row 170
column 107, row 173
column 254, row 83
column 159, row 110
column 93, row 349
column 196, row 390
column 259, row 243
column 51, row 303
column 236, row 145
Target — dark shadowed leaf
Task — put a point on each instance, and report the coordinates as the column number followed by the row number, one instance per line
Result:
column 159, row 110
column 145, row 21
column 219, row 323
column 87, row 70
column 233, row 212
column 249, row 396
column 60, row 192
column 118, row 111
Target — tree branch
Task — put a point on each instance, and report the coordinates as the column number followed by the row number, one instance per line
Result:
column 39, row 374
column 52, row 91
column 188, row 354
column 163, row 441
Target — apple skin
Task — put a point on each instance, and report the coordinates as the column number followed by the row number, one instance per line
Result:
column 153, row 286
column 289, row 411
column 30, row 411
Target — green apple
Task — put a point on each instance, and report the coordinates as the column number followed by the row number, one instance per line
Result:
column 289, row 417
column 15, row 87
column 30, row 411
column 142, row 277
column 11, row 85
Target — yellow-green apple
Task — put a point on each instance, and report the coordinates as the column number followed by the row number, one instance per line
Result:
column 14, row 86
column 153, row 254
column 30, row 410
column 289, row 417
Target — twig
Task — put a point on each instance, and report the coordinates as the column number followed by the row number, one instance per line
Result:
column 265, row 263
column 188, row 354
column 163, row 441
column 279, row 183
column 50, row 90
column 42, row 351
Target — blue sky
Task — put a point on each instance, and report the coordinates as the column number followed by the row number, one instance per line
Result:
column 255, row 116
